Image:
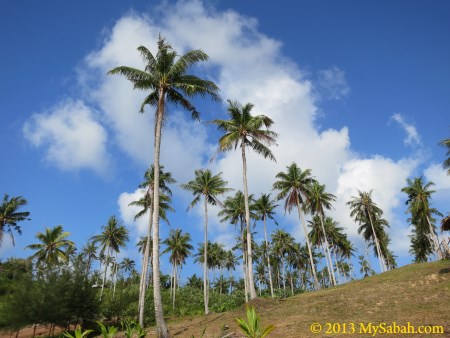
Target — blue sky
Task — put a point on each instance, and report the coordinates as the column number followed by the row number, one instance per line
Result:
column 359, row 92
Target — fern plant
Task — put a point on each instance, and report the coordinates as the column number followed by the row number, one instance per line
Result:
column 252, row 327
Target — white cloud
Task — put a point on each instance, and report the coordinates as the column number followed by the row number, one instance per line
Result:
column 412, row 136
column 127, row 212
column 249, row 67
column 71, row 135
column 332, row 83
column 441, row 199
column 263, row 76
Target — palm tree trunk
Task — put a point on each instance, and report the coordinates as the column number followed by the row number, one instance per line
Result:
column 171, row 282
column 328, row 254
column 308, row 244
column 244, row 262
column 205, row 262
column 284, row 275
column 115, row 268
column 104, row 274
column 144, row 272
column 435, row 240
column 174, row 286
column 377, row 245
column 268, row 257
column 247, row 221
column 159, row 315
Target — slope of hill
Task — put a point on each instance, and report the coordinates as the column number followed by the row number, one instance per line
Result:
column 418, row 294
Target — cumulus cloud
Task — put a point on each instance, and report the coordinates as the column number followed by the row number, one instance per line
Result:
column 71, row 135
column 263, row 76
column 249, row 67
column 436, row 174
column 332, row 83
column 412, row 136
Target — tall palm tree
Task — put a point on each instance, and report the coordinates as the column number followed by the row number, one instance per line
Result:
column 245, row 130
column 419, row 195
column 265, row 207
column 234, row 212
column 319, row 200
column 283, row 243
column 89, row 251
column 53, row 247
column 294, row 185
column 209, row 187
column 230, row 264
column 127, row 265
column 368, row 215
column 113, row 237
column 179, row 247
column 165, row 76
column 446, row 164
column 146, row 202
column 10, row 215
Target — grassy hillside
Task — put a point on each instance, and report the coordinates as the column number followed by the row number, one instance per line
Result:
column 417, row 293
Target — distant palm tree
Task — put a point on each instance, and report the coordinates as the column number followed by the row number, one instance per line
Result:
column 419, row 195
column 234, row 212
column 245, row 130
column 230, row 264
column 446, row 144
column 113, row 237
column 165, row 76
column 146, row 203
column 10, row 215
column 89, row 251
column 209, row 187
column 265, row 207
column 179, row 247
column 127, row 265
column 368, row 215
column 365, row 269
column 294, row 185
column 319, row 200
column 53, row 247
column 283, row 244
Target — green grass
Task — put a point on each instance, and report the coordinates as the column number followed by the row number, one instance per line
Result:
column 417, row 293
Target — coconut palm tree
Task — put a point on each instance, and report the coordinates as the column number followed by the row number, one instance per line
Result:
column 234, row 212
column 127, row 265
column 209, row 187
column 113, row 237
column 10, row 215
column 146, row 203
column 265, row 207
column 283, row 243
column 368, row 215
column 89, row 251
column 53, row 248
column 419, row 195
column 294, row 185
column 230, row 264
column 179, row 247
column 246, row 130
column 446, row 144
column 365, row 269
column 319, row 200
column 165, row 77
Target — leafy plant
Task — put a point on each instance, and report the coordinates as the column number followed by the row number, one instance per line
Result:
column 107, row 332
column 133, row 329
column 77, row 333
column 252, row 327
